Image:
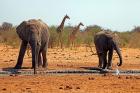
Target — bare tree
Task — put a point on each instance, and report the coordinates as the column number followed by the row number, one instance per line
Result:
column 136, row 29
column 6, row 26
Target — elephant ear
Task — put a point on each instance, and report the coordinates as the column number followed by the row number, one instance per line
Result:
column 116, row 38
column 21, row 30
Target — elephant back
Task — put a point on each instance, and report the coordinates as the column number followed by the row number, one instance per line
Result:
column 106, row 36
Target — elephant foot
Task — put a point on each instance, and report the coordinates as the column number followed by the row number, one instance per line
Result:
column 99, row 66
column 44, row 66
column 17, row 67
column 32, row 67
column 104, row 67
column 110, row 68
column 40, row 66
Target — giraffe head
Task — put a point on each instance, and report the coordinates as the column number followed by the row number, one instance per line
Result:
column 81, row 24
column 66, row 16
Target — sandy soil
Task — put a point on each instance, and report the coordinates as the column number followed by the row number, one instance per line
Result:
column 70, row 59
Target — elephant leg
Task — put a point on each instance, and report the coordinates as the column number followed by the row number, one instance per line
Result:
column 110, row 53
column 39, row 60
column 37, row 48
column 21, row 54
column 44, row 59
column 35, row 53
column 100, row 60
column 104, row 60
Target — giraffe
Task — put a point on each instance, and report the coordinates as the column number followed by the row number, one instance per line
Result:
column 60, row 30
column 72, row 36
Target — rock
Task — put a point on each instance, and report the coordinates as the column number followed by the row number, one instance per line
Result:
column 119, row 77
column 137, row 77
column 91, row 78
column 28, row 88
column 11, row 60
column 126, row 56
column 68, row 87
column 60, row 88
column 77, row 87
column 127, row 77
column 4, row 89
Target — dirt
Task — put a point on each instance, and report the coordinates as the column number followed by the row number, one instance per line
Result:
column 79, row 58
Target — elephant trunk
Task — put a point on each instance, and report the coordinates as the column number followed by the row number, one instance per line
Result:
column 35, row 53
column 119, row 53
column 36, row 58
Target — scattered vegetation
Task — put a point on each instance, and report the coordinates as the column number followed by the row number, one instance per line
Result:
column 8, row 36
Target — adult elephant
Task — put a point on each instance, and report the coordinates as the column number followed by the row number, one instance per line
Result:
column 36, row 33
column 105, row 43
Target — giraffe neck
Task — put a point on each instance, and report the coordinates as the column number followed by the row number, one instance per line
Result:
column 62, row 23
column 77, row 28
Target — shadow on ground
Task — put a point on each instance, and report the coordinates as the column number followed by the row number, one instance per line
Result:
column 92, row 68
column 11, row 70
column 102, row 71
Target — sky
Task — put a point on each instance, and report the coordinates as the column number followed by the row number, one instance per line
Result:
column 120, row 15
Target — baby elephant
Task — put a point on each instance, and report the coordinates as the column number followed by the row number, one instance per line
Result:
column 36, row 33
column 105, row 43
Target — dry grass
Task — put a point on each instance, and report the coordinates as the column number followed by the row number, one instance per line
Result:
column 127, row 39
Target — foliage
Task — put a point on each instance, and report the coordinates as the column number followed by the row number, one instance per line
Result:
column 9, row 37
column 84, row 37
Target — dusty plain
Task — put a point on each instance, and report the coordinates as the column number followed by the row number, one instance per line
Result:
column 68, row 59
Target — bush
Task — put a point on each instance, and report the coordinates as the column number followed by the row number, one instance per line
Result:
column 85, row 37
column 9, row 37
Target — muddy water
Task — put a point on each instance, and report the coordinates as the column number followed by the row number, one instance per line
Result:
column 68, row 72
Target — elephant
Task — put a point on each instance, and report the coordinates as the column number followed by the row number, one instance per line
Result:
column 105, row 42
column 36, row 33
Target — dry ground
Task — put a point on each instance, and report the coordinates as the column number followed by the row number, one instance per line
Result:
column 70, row 59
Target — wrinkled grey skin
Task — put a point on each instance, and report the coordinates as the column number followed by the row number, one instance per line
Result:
column 36, row 33
column 105, row 43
